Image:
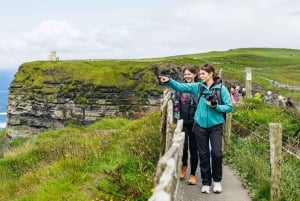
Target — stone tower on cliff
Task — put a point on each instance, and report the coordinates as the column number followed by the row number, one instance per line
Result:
column 53, row 57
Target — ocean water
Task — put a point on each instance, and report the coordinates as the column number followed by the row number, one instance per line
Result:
column 6, row 77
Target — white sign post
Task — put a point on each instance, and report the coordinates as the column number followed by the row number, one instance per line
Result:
column 248, row 82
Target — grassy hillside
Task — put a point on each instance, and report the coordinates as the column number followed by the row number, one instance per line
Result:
column 68, row 74
column 249, row 152
column 281, row 65
column 113, row 159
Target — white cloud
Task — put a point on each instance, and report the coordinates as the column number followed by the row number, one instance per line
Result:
column 149, row 29
column 48, row 35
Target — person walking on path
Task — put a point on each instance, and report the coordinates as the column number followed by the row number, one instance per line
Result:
column 208, row 123
column 238, row 93
column 184, row 108
column 268, row 98
column 232, row 92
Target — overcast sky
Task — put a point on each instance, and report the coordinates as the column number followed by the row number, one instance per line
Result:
column 98, row 29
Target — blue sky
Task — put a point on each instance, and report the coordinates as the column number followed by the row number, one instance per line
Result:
column 98, row 29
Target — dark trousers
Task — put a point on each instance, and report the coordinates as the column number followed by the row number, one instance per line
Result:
column 210, row 170
column 190, row 145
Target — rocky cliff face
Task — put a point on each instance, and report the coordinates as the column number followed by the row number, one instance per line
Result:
column 28, row 115
column 58, row 100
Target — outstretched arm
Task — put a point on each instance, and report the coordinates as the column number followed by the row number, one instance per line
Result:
column 181, row 87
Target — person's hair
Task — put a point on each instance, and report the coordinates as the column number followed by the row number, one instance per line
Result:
column 192, row 69
column 208, row 68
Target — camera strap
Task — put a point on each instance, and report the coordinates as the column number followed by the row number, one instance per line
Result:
column 218, row 93
column 200, row 89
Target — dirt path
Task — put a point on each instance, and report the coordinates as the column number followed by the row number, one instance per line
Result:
column 233, row 189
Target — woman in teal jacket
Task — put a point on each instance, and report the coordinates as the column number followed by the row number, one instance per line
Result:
column 209, row 121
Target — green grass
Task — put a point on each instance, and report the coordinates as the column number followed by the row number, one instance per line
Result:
column 250, row 154
column 113, row 159
column 116, row 158
column 282, row 65
column 106, row 73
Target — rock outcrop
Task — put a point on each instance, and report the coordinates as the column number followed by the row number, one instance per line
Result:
column 50, row 97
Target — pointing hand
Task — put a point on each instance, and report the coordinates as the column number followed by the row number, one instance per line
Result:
column 163, row 79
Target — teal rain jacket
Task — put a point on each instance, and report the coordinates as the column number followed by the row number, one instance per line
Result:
column 206, row 116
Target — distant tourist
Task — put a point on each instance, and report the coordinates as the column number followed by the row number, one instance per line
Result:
column 237, row 94
column 208, row 125
column 232, row 94
column 243, row 92
column 257, row 97
column 281, row 101
column 268, row 98
column 289, row 102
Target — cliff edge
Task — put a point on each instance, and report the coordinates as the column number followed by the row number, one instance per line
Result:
column 51, row 94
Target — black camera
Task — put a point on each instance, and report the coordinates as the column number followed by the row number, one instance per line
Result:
column 212, row 98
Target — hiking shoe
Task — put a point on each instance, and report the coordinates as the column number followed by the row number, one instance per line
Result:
column 192, row 180
column 183, row 172
column 205, row 189
column 217, row 187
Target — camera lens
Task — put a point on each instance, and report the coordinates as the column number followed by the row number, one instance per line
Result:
column 213, row 102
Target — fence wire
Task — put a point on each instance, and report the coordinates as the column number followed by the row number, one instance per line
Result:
column 256, row 143
column 291, row 144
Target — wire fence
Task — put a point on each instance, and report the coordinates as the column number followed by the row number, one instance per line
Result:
column 256, row 152
column 291, row 144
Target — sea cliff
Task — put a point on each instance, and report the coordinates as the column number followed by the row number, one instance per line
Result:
column 49, row 95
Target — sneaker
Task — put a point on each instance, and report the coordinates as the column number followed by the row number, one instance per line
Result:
column 183, row 172
column 205, row 189
column 192, row 180
column 217, row 187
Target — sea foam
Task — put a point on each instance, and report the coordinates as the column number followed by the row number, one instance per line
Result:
column 2, row 125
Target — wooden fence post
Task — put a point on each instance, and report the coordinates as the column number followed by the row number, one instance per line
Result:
column 221, row 75
column 227, row 131
column 167, row 172
column 167, row 125
column 248, row 83
column 275, row 136
column 163, row 122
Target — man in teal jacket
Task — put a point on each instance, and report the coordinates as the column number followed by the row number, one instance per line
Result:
column 209, row 121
